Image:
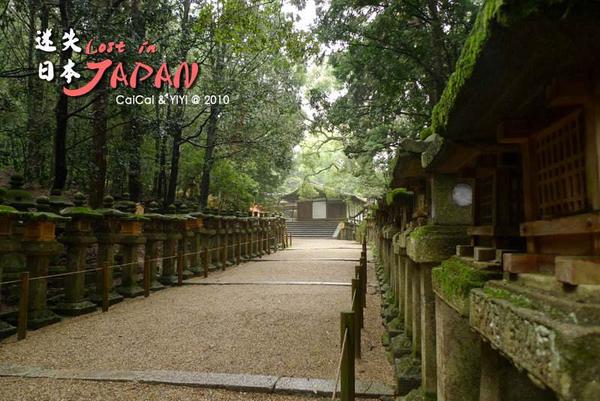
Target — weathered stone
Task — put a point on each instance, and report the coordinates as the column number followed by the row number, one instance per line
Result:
column 456, row 277
column 433, row 243
column 464, row 250
column 541, row 333
column 458, row 367
column 399, row 346
column 408, row 374
column 483, row 254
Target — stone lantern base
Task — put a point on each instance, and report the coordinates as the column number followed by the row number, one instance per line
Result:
column 6, row 330
column 75, row 308
column 40, row 318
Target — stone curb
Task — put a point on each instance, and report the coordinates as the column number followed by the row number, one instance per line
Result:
column 227, row 381
column 325, row 283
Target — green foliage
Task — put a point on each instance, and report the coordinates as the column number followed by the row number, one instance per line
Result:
column 236, row 190
column 250, row 53
column 394, row 58
column 307, row 191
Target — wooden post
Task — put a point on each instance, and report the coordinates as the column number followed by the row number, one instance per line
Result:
column 146, row 277
column 361, row 294
column 205, row 260
column 180, row 268
column 357, row 309
column 105, row 286
column 23, row 306
column 347, row 368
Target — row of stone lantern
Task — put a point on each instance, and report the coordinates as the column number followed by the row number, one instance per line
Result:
column 172, row 247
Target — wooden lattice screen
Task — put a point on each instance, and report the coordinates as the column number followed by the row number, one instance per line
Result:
column 560, row 174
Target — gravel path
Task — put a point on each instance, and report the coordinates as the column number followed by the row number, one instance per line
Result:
column 272, row 330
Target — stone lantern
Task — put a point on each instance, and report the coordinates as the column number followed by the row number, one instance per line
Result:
column 155, row 231
column 188, row 241
column 17, row 197
column 254, row 236
column 40, row 245
column 8, row 244
column 207, row 233
column 196, row 242
column 174, row 236
column 219, row 240
column 57, row 201
column 107, row 231
column 79, row 237
column 131, row 241
column 228, row 240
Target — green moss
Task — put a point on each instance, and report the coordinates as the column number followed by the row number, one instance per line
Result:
column 396, row 193
column 5, row 210
column 515, row 299
column 425, row 132
column 502, row 13
column 422, row 231
column 40, row 216
column 80, row 211
column 456, row 278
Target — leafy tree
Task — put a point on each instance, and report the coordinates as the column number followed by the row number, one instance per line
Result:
column 393, row 58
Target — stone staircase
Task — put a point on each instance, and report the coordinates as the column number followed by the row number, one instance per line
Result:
column 312, row 228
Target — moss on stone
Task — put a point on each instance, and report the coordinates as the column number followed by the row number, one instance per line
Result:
column 455, row 279
column 80, row 211
column 44, row 216
column 396, row 193
column 503, row 13
column 515, row 299
column 8, row 210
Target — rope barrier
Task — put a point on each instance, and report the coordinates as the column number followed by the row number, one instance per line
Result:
column 339, row 367
column 122, row 265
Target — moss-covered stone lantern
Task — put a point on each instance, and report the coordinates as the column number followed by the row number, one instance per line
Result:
column 131, row 241
column 18, row 197
column 211, row 228
column 195, row 242
column 155, row 231
column 108, row 233
column 57, row 201
column 40, row 245
column 188, row 243
column 8, row 244
column 79, row 237
column 174, row 236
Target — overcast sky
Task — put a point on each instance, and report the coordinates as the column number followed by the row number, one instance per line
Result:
column 307, row 15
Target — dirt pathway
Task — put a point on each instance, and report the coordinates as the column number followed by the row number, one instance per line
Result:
column 279, row 330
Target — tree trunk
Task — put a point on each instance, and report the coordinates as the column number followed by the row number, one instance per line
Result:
column 62, row 111
column 178, row 113
column 135, row 134
column 211, row 138
column 99, row 148
column 175, row 153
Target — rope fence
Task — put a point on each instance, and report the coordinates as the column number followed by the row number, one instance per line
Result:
column 230, row 251
column 351, row 324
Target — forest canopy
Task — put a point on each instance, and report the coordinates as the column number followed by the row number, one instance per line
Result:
column 279, row 105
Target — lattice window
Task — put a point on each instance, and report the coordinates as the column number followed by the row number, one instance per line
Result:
column 560, row 176
column 485, row 201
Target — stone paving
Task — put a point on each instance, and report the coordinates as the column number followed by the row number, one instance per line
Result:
column 288, row 332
